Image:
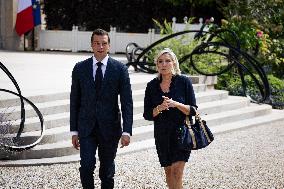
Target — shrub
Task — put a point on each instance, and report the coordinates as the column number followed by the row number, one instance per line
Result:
column 259, row 26
column 183, row 45
column 233, row 84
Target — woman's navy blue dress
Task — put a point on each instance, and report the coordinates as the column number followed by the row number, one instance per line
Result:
column 166, row 123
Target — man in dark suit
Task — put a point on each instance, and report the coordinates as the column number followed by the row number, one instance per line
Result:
column 95, row 121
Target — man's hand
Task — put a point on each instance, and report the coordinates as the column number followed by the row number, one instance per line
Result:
column 75, row 142
column 124, row 140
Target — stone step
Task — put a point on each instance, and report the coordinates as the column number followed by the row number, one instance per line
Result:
column 251, row 111
column 36, row 99
column 205, row 108
column 62, row 105
column 138, row 95
column 231, row 103
column 60, row 119
column 276, row 117
column 54, row 137
column 211, row 95
column 137, row 83
column 62, row 133
column 55, row 96
column 49, row 150
column 245, row 112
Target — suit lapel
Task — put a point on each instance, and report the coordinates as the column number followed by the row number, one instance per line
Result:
column 90, row 76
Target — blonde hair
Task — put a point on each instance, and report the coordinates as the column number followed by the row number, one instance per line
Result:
column 175, row 70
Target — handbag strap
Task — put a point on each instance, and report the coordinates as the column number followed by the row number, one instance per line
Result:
column 187, row 121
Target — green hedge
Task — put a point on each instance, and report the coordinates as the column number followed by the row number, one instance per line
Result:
column 233, row 84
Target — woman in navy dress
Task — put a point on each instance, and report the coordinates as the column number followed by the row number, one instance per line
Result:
column 168, row 99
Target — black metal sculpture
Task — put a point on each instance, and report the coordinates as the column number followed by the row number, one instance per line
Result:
column 14, row 146
column 212, row 42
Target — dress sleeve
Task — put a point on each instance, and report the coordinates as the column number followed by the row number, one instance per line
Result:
column 190, row 95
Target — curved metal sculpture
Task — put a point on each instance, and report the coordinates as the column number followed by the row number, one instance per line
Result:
column 22, row 122
column 212, row 42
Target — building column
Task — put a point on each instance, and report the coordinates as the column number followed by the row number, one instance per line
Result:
column 9, row 39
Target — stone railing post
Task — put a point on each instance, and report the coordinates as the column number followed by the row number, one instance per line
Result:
column 200, row 21
column 174, row 19
column 112, row 37
column 185, row 20
column 75, row 39
column 149, row 39
column 153, row 35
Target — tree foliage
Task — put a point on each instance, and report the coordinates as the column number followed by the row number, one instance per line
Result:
column 259, row 25
column 125, row 15
column 268, row 15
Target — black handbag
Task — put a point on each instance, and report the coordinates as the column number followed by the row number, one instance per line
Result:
column 194, row 136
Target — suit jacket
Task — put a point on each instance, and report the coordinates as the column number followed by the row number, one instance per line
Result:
column 86, row 111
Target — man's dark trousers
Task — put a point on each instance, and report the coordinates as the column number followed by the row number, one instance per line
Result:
column 106, row 153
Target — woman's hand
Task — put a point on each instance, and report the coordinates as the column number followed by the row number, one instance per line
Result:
column 169, row 103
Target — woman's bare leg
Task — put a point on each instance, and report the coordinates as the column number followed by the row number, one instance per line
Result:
column 168, row 176
column 177, row 174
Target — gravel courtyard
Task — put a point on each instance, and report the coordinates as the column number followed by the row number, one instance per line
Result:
column 250, row 158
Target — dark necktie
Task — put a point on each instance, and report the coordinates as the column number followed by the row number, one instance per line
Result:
column 99, row 77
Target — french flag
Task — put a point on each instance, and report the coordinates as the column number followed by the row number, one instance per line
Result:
column 28, row 16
